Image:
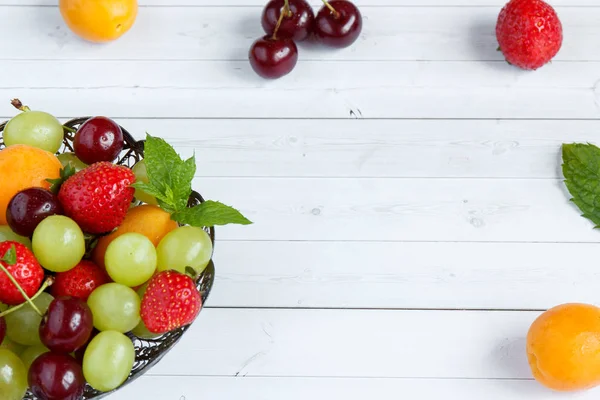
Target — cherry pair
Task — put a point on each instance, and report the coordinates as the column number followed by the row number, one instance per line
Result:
column 337, row 24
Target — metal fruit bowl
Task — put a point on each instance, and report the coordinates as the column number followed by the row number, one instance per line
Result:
column 148, row 352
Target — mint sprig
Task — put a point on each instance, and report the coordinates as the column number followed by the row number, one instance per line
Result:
column 170, row 181
column 210, row 213
column 581, row 168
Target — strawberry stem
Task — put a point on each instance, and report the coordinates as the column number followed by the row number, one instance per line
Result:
column 333, row 10
column 16, row 103
column 48, row 282
column 286, row 12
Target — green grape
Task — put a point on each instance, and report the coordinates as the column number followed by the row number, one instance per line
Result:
column 13, row 376
column 31, row 353
column 35, row 128
column 58, row 243
column 141, row 330
column 71, row 158
column 115, row 307
column 141, row 175
column 130, row 259
column 23, row 325
column 108, row 360
column 15, row 347
column 7, row 234
column 183, row 247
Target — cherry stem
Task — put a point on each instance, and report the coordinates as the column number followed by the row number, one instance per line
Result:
column 286, row 12
column 69, row 129
column 333, row 10
column 16, row 103
column 48, row 282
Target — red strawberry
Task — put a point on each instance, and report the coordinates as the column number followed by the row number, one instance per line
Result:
column 170, row 302
column 529, row 33
column 98, row 197
column 80, row 281
column 21, row 264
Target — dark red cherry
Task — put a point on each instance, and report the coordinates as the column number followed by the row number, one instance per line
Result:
column 67, row 325
column 98, row 139
column 273, row 58
column 56, row 376
column 296, row 25
column 339, row 28
column 2, row 329
column 29, row 207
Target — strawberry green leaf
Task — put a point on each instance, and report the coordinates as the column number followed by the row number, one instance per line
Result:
column 65, row 173
column 210, row 213
column 10, row 257
column 581, row 168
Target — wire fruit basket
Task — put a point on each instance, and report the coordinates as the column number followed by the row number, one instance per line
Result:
column 148, row 352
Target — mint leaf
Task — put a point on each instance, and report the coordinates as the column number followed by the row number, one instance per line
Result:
column 161, row 161
column 210, row 213
column 10, row 257
column 581, row 168
column 170, row 181
column 182, row 178
column 151, row 190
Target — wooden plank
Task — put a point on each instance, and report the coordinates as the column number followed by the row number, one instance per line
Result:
column 225, row 33
column 353, row 343
column 403, row 275
column 316, row 90
column 227, row 388
column 370, row 148
column 401, row 210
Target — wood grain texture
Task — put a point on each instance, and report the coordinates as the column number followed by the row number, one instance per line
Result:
column 181, row 89
column 403, row 275
column 393, row 185
column 370, row 148
column 225, row 33
column 473, row 210
column 251, row 388
column 353, row 343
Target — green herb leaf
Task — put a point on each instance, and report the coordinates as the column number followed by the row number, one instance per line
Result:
column 151, row 190
column 182, row 178
column 210, row 213
column 10, row 257
column 581, row 168
column 161, row 160
column 170, row 181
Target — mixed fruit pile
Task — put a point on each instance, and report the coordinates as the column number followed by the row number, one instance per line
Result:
column 91, row 250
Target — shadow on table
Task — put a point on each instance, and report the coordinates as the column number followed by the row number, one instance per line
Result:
column 510, row 357
column 482, row 34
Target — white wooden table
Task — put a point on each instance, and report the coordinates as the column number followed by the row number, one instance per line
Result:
column 410, row 217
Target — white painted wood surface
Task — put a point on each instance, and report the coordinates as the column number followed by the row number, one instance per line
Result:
column 411, row 220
